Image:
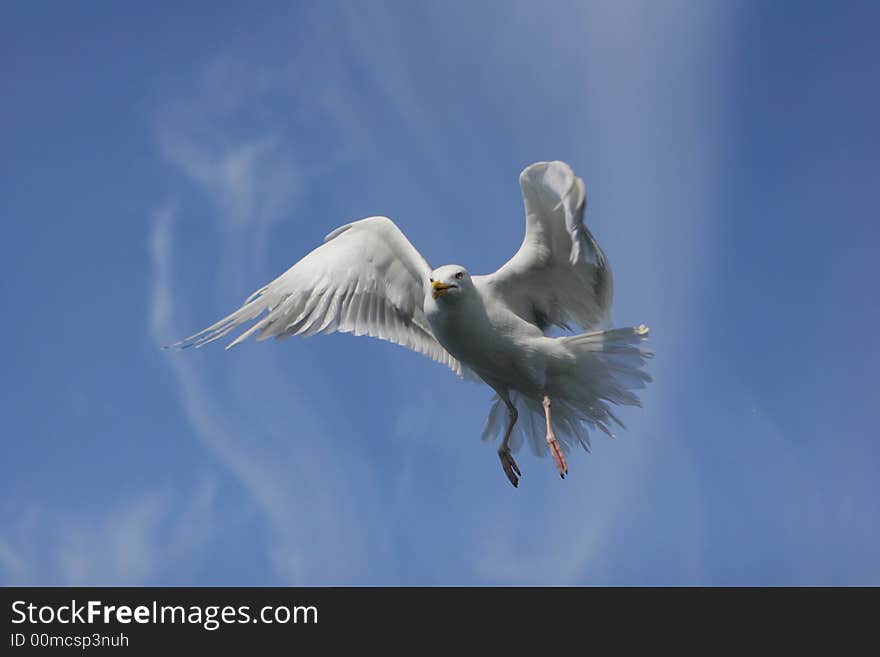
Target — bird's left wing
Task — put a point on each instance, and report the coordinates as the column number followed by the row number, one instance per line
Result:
column 559, row 275
column 366, row 278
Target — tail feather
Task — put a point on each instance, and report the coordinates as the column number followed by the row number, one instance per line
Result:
column 608, row 367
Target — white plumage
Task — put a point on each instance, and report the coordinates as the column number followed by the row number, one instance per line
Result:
column 367, row 279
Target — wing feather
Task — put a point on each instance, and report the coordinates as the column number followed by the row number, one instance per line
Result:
column 559, row 275
column 366, row 278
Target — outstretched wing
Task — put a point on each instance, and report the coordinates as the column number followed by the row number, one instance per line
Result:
column 366, row 278
column 559, row 275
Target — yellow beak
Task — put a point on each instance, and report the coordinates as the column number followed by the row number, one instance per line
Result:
column 438, row 289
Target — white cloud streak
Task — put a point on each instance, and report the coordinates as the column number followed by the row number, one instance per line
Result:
column 271, row 441
column 639, row 129
column 134, row 541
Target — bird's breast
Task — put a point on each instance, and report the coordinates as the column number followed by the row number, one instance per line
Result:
column 482, row 343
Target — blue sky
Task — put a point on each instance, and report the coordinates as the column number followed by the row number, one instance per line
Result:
column 160, row 163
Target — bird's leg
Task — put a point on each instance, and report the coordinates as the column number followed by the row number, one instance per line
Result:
column 555, row 447
column 507, row 462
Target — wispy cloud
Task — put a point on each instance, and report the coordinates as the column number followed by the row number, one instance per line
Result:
column 639, row 130
column 160, row 253
column 272, row 442
column 133, row 541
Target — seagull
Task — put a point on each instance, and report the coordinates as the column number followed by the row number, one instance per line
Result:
column 368, row 279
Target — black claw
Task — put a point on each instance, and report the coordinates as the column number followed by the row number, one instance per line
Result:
column 562, row 475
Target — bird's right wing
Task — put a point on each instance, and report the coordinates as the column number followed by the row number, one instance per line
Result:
column 366, row 278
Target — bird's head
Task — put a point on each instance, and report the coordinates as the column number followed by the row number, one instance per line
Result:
column 450, row 281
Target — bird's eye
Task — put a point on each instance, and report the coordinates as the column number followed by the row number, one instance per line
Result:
column 430, row 280
column 459, row 275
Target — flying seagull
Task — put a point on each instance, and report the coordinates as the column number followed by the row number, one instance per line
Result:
column 367, row 279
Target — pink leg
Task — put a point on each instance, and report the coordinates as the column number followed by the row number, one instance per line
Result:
column 555, row 447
